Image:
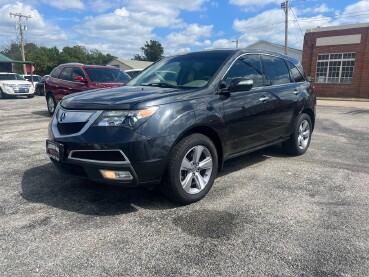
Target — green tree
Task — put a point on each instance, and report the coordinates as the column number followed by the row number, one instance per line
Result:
column 45, row 58
column 75, row 53
column 96, row 57
column 152, row 51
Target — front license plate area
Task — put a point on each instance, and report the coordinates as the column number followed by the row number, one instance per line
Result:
column 55, row 150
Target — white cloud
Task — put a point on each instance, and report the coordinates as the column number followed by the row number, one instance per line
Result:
column 267, row 18
column 101, row 6
column 223, row 43
column 37, row 27
column 322, row 8
column 191, row 35
column 127, row 28
column 253, row 3
column 66, row 5
column 269, row 25
column 121, row 12
column 160, row 6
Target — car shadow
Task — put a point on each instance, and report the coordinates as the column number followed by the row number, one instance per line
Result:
column 42, row 113
column 44, row 184
column 251, row 159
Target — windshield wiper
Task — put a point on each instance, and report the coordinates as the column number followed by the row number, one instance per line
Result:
column 163, row 85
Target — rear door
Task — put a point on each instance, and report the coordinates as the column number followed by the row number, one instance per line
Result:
column 283, row 98
column 68, row 84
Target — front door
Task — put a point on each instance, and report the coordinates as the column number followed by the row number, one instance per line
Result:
column 246, row 113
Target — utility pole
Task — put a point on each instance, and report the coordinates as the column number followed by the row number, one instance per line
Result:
column 22, row 27
column 236, row 41
column 284, row 6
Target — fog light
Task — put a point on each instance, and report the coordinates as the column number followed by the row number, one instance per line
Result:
column 116, row 175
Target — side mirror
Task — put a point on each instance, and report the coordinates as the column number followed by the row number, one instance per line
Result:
column 240, row 84
column 80, row 79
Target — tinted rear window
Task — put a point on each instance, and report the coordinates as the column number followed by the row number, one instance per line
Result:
column 295, row 73
column 275, row 70
column 107, row 75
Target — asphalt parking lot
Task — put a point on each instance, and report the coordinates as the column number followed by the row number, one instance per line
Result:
column 268, row 214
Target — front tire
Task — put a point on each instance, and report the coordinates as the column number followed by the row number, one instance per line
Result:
column 30, row 96
column 2, row 94
column 51, row 104
column 299, row 141
column 191, row 169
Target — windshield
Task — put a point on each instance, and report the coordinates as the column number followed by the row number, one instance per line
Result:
column 6, row 77
column 107, row 75
column 35, row 78
column 193, row 70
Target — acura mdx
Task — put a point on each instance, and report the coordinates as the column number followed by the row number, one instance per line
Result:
column 182, row 118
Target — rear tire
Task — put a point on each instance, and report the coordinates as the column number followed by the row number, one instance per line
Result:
column 51, row 103
column 191, row 169
column 299, row 141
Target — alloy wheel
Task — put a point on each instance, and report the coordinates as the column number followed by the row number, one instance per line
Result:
column 304, row 134
column 51, row 104
column 196, row 169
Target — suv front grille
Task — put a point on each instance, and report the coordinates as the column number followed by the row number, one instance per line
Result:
column 70, row 128
column 115, row 156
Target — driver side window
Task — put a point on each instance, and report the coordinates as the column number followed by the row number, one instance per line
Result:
column 247, row 66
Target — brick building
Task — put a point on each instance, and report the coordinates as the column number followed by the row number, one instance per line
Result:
column 337, row 59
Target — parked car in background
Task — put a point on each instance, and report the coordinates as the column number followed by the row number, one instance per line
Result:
column 75, row 77
column 178, row 133
column 13, row 84
column 32, row 78
column 40, row 86
column 133, row 72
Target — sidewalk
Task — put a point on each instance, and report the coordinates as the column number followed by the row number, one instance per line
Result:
column 343, row 103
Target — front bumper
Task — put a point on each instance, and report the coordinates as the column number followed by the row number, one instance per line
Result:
column 9, row 91
column 92, row 148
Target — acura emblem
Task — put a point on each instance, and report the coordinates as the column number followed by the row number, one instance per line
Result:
column 62, row 117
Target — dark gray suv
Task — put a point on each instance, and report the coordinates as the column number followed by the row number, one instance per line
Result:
column 182, row 118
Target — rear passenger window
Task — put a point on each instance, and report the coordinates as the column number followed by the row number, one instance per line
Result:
column 275, row 70
column 55, row 73
column 67, row 74
column 295, row 73
column 247, row 66
column 76, row 72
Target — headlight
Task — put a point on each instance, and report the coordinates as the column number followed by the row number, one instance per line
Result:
column 11, row 85
column 130, row 119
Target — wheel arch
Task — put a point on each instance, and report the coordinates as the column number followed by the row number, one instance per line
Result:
column 311, row 114
column 49, row 93
column 211, row 134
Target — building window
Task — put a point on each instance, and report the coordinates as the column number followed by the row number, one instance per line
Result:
column 335, row 68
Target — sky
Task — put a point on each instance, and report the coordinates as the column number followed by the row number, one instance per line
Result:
column 121, row 27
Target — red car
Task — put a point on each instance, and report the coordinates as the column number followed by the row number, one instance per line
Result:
column 75, row 77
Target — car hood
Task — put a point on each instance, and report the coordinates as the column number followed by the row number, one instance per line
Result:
column 119, row 98
column 16, row 82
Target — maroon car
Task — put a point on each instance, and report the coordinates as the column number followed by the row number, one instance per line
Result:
column 75, row 77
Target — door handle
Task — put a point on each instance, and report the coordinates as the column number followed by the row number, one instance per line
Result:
column 295, row 92
column 263, row 99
